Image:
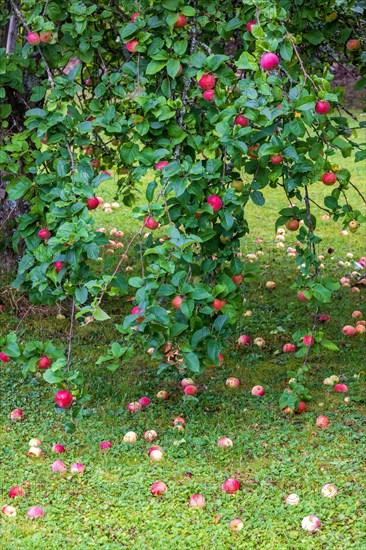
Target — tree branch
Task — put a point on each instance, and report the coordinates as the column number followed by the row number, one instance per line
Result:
column 70, row 333
column 12, row 34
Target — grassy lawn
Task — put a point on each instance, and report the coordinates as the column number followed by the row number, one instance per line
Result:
column 110, row 505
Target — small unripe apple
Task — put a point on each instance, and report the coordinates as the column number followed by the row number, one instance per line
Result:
column 232, row 382
column 197, row 501
column 293, row 499
column 271, row 285
column 130, row 437
column 35, row 451
column 353, row 226
column 187, row 382
column 45, row 37
column 150, row 435
column 269, row 61
column 44, row 362
column 150, row 223
column 44, row 234
column 230, row 486
column 181, row 21
column 209, row 95
column 242, row 121
column 207, row 82
column 311, row 524
column 322, row 421
column 329, row 178
column 236, row 525
column 224, row 442
column 237, row 185
column 260, row 342
column 329, row 490
column 177, row 301
column 322, row 107
column 258, row 391
column 131, row 45
column 353, row 44
column 162, row 394
column 33, row 38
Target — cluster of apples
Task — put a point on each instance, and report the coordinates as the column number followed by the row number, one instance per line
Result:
column 359, row 328
column 312, row 523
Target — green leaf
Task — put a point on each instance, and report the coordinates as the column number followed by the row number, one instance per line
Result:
column 173, row 67
column 286, row 51
column 128, row 152
column 247, row 61
column 327, row 344
column 155, row 67
column 191, row 360
column 314, row 37
column 100, row 315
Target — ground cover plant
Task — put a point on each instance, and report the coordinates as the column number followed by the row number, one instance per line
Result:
column 183, row 273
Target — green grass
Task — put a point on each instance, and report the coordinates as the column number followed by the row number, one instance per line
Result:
column 110, row 506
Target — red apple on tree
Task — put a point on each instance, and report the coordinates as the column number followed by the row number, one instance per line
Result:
column 329, row 178
column 237, row 279
column 218, row 304
column 45, row 37
column 177, row 301
column 269, row 61
column 207, row 82
column 92, row 203
column 293, row 225
column 58, row 266
column 33, row 38
column 209, row 95
column 44, row 362
column 150, row 223
column 277, row 159
column 353, row 44
column 131, row 45
column 134, row 16
column 44, row 234
column 180, row 22
column 322, row 107
column 215, row 202
column 250, row 25
column 241, row 120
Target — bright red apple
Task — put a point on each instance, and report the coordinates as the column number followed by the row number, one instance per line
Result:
column 144, row 402
column 230, row 486
column 161, row 164
column 4, row 357
column 44, row 362
column 237, row 279
column 224, row 442
column 289, row 348
column 57, row 448
column 180, row 22
column 277, row 159
column 177, row 301
column 322, row 107
column 301, row 408
column 92, row 203
column 207, row 82
column 353, row 44
column 158, row 488
column 269, row 61
column 44, row 234
column 244, row 340
column 63, row 399
column 190, row 390
column 58, row 266
column 349, row 330
column 242, row 121
column 340, row 388
column 134, row 16
column 218, row 304
column 16, row 491
column 329, row 178
column 131, row 45
column 250, row 25
column 150, row 223
column 308, row 341
column 16, row 414
column 209, row 95
column 322, row 421
column 33, row 38
column 258, row 391
column 301, row 296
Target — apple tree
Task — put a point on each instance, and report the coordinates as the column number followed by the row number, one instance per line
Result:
column 198, row 107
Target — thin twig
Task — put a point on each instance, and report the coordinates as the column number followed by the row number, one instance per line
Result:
column 204, row 47
column 70, row 333
column 312, row 335
column 358, row 191
column 321, row 207
column 68, row 147
column 310, row 224
column 22, row 319
column 306, row 75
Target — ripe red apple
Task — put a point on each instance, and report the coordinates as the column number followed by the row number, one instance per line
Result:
column 63, row 399
column 44, row 234
column 329, row 178
column 293, row 225
column 277, row 159
column 190, row 390
column 258, row 391
column 209, row 95
column 179, row 421
column 349, row 330
column 57, row 448
column 16, row 491
column 232, row 382
column 158, row 488
column 301, row 408
column 197, row 501
column 4, row 357
column 207, row 82
column 308, row 340
column 161, row 164
column 224, row 442
column 181, row 21
column 134, row 16
column 269, row 61
column 16, row 414
column 218, row 304
column 58, row 266
column 324, row 318
column 77, row 468
column 59, row 467
column 45, row 37
column 44, row 362
column 241, row 120
column 289, row 348
column 131, row 45
column 230, row 486
column 237, row 279
column 353, row 44
column 33, row 38
column 250, row 25
column 340, row 388
column 92, row 203
column 322, row 107
column 177, row 301
column 301, row 296
column 144, row 402
column 150, row 223
column 322, row 421
column 244, row 340
column 215, row 202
